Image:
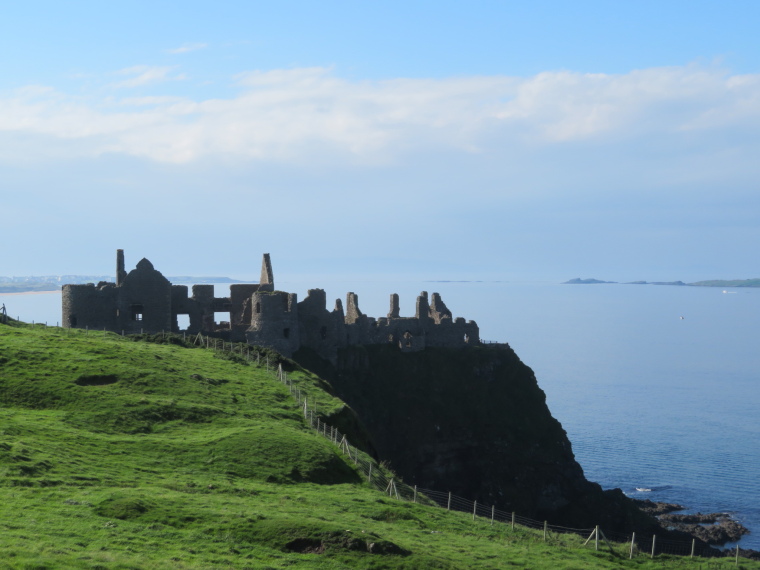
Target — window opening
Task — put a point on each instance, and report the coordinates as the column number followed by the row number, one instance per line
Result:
column 183, row 322
column 137, row 312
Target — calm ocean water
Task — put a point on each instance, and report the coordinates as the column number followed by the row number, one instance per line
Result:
column 649, row 399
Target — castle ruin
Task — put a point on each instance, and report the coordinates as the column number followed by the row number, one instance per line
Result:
column 143, row 300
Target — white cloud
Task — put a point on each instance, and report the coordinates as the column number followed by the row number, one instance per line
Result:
column 144, row 74
column 185, row 48
column 288, row 115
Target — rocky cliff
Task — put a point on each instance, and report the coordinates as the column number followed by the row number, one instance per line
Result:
column 474, row 422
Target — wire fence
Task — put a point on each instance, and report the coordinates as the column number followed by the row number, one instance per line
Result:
column 380, row 477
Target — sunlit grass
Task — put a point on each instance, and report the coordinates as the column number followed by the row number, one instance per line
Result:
column 122, row 454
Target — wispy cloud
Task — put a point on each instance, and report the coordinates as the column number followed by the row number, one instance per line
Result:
column 144, row 75
column 284, row 115
column 185, row 48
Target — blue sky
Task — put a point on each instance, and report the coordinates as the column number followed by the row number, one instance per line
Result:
column 435, row 140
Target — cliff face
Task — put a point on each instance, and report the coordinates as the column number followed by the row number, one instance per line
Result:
column 474, row 422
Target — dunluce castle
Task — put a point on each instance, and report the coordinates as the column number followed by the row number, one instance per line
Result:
column 143, row 300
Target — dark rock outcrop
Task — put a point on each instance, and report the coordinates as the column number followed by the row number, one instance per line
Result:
column 474, row 422
column 656, row 509
column 712, row 528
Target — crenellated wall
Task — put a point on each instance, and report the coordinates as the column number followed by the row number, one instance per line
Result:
column 144, row 300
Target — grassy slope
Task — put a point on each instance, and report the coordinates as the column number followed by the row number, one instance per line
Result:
column 121, row 454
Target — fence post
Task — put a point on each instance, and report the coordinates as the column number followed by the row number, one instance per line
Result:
column 448, row 506
column 493, row 512
column 737, row 555
column 633, row 541
column 369, row 476
column 474, row 508
column 546, row 527
column 596, row 537
column 693, row 544
column 415, row 494
column 654, row 542
column 513, row 520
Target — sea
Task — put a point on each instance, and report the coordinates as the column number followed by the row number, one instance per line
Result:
column 657, row 386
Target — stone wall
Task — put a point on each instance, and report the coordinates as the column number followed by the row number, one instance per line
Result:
column 144, row 300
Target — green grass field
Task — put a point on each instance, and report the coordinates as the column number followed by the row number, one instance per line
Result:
column 123, row 454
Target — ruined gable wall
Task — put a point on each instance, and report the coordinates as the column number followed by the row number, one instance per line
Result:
column 147, row 288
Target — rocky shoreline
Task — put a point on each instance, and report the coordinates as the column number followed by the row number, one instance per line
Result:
column 715, row 529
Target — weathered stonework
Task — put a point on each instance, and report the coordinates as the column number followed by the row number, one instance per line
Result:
column 143, row 300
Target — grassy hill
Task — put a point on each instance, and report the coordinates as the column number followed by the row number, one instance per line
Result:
column 116, row 454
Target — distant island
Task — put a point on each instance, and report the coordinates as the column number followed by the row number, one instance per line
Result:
column 47, row 283
column 579, row 281
column 710, row 283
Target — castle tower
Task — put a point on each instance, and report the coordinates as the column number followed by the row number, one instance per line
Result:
column 266, row 282
column 120, row 272
column 423, row 307
column 353, row 313
column 274, row 321
column 394, row 312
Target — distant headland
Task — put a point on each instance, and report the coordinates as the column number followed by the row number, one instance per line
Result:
column 709, row 283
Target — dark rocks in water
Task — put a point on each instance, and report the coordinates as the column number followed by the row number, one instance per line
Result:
column 655, row 509
column 712, row 528
column 744, row 553
column 696, row 518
